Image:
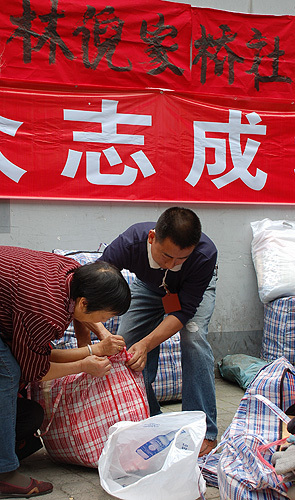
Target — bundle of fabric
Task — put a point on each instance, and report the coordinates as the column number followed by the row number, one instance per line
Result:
column 279, row 330
column 273, row 254
column 80, row 409
column 241, row 474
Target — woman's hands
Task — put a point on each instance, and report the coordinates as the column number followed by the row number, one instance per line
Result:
column 70, row 361
column 97, row 366
column 109, row 346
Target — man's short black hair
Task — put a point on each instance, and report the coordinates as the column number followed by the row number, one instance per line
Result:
column 103, row 286
column 181, row 225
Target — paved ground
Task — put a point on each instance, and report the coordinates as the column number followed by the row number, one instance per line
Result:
column 80, row 483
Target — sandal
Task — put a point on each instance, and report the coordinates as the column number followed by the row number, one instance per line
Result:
column 34, row 489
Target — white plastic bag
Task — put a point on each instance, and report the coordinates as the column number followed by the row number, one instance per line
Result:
column 156, row 458
column 273, row 254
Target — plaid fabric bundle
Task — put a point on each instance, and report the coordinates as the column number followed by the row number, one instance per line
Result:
column 168, row 382
column 279, row 330
column 81, row 256
column 208, row 466
column 241, row 475
column 80, row 409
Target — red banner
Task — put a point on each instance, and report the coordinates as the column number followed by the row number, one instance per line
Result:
column 147, row 44
column 146, row 100
column 143, row 146
column 245, row 55
column 134, row 44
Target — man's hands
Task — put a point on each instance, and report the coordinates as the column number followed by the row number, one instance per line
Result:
column 97, row 366
column 139, row 350
column 109, row 346
column 139, row 356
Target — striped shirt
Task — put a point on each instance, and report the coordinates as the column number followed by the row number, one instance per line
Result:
column 35, row 305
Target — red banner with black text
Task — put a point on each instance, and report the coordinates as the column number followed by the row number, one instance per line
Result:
column 134, row 44
column 243, row 55
column 147, row 101
column 147, row 44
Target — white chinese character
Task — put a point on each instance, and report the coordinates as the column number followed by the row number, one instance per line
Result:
column 8, row 168
column 109, row 119
column 241, row 161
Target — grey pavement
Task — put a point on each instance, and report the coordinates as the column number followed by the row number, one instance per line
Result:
column 73, row 482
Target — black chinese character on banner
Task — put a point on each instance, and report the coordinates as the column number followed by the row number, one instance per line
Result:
column 50, row 35
column 107, row 30
column 257, row 43
column 207, row 42
column 156, row 50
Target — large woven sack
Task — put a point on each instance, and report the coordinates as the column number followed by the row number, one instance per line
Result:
column 241, row 474
column 279, row 330
column 80, row 409
column 168, row 382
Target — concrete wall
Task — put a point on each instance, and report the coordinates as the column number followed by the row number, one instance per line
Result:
column 237, row 323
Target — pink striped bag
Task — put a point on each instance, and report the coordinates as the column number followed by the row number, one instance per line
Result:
column 79, row 409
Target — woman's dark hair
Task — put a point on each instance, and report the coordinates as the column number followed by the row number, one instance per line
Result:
column 181, row 225
column 103, row 286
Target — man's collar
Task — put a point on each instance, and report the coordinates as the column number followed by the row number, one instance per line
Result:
column 153, row 264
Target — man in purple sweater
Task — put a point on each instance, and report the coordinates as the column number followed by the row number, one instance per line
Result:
column 174, row 290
